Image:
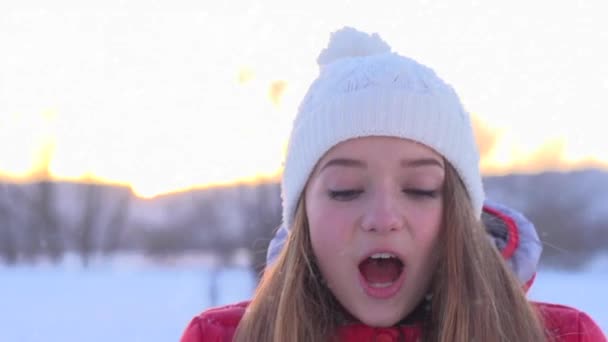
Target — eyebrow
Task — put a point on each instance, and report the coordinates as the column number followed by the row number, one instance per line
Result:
column 347, row 162
column 421, row 162
column 344, row 162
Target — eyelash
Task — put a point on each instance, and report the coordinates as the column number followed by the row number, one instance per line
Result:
column 347, row 195
column 421, row 193
column 344, row 195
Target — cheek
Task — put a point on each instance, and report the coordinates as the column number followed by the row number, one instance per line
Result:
column 329, row 229
column 429, row 234
column 427, row 219
column 426, row 229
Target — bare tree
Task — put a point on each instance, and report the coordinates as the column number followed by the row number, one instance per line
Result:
column 8, row 241
column 102, row 219
column 47, row 234
column 557, row 227
column 117, row 223
column 203, row 228
column 88, row 223
column 43, row 234
column 262, row 216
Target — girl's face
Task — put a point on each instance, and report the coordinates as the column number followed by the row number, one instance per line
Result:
column 374, row 207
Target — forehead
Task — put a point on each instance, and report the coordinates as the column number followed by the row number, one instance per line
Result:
column 381, row 148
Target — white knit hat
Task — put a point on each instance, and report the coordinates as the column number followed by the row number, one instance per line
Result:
column 363, row 89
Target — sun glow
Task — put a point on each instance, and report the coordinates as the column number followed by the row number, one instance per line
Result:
column 166, row 100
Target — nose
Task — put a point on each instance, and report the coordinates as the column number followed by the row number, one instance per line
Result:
column 383, row 214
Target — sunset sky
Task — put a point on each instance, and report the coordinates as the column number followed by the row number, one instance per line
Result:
column 166, row 95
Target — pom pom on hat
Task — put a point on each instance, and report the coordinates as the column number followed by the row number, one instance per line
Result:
column 348, row 42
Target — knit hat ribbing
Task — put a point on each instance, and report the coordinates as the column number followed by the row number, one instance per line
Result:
column 365, row 90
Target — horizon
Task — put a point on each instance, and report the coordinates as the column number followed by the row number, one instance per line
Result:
column 262, row 181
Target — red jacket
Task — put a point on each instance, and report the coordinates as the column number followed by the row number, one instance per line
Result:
column 513, row 235
column 218, row 325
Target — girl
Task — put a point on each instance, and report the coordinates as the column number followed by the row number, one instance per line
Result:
column 382, row 221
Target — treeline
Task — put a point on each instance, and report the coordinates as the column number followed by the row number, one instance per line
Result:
column 46, row 220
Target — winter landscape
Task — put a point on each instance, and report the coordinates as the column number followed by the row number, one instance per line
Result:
column 141, row 144
column 129, row 269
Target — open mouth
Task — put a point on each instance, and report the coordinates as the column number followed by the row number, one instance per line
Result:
column 381, row 270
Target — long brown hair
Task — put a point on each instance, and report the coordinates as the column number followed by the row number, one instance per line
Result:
column 475, row 296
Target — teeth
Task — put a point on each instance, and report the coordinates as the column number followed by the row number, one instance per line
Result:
column 381, row 285
column 382, row 256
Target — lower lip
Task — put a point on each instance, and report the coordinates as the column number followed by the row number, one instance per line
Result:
column 382, row 292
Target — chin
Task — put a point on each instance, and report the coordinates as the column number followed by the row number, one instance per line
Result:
column 382, row 320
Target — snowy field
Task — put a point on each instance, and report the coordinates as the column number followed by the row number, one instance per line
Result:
column 134, row 301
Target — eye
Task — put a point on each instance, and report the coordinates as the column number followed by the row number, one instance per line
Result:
column 421, row 193
column 344, row 195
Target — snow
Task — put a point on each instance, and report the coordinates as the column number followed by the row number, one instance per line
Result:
column 585, row 291
column 134, row 303
column 129, row 300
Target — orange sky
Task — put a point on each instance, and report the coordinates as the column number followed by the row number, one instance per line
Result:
column 165, row 98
